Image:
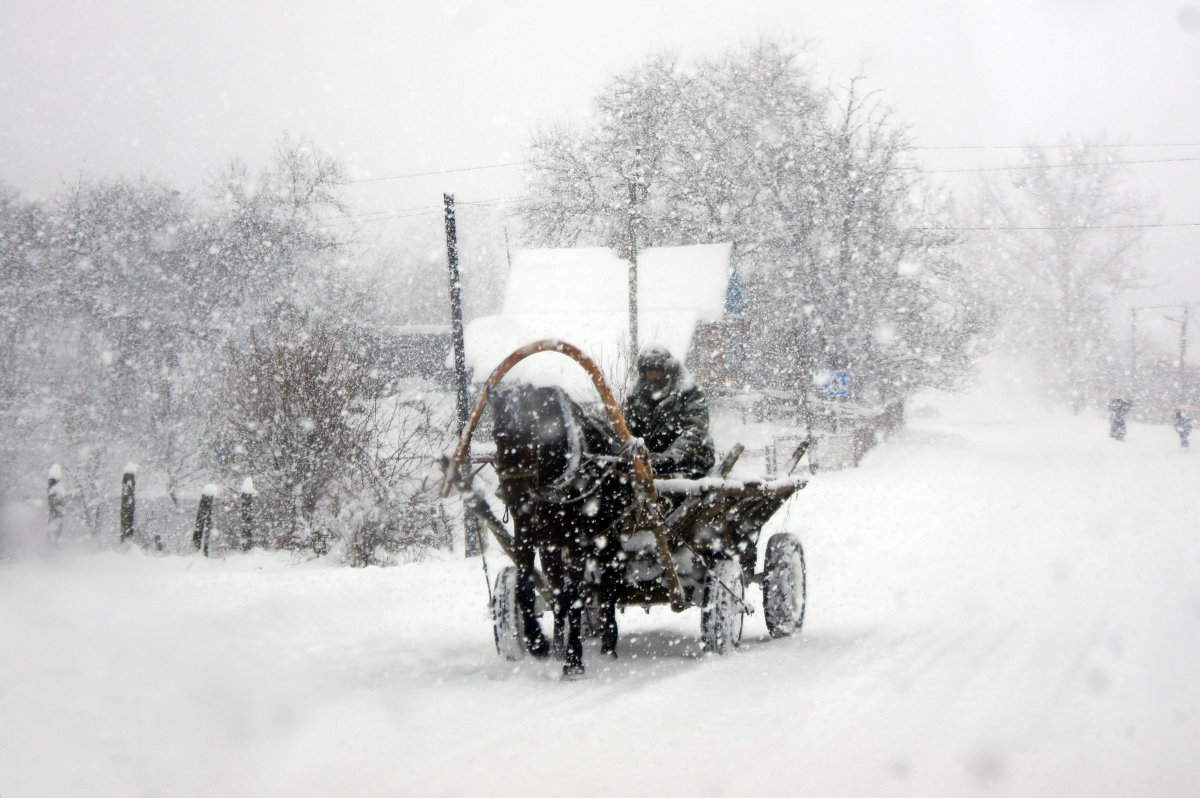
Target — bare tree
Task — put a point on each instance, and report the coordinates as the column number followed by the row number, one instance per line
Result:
column 1062, row 253
column 289, row 410
column 331, row 450
column 833, row 234
column 584, row 183
column 271, row 226
column 118, row 297
column 22, row 308
column 888, row 299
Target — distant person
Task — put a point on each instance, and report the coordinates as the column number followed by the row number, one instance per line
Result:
column 669, row 412
column 1118, row 408
column 1183, row 426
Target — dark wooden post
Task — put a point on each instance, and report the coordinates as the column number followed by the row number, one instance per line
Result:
column 55, row 500
column 472, row 541
column 128, row 502
column 247, row 507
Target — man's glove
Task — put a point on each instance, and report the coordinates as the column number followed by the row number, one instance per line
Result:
column 635, row 447
column 661, row 463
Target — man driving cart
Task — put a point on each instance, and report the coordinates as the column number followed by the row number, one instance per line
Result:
column 669, row 412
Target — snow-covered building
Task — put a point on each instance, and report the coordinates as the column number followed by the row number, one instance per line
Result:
column 688, row 301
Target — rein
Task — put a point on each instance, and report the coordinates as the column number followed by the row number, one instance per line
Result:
column 556, row 492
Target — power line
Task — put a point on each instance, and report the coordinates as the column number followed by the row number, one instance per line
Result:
column 365, row 214
column 368, row 217
column 1045, row 146
column 946, row 147
column 424, row 208
column 1067, row 227
column 923, row 147
column 1050, row 166
column 910, row 168
column 383, row 216
column 378, row 216
column 439, row 172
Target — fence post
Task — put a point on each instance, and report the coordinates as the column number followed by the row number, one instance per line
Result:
column 55, row 500
column 128, row 501
column 247, row 506
column 203, row 531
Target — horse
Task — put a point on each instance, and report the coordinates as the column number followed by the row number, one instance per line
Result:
column 571, row 495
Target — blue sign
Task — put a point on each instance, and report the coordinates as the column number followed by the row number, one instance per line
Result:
column 838, row 384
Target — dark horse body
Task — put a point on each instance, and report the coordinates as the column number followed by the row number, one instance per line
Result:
column 570, row 497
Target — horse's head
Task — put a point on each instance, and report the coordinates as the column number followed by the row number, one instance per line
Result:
column 538, row 440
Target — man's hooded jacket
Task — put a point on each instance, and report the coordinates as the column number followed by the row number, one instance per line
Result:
column 672, row 418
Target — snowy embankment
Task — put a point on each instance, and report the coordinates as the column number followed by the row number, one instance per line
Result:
column 1001, row 602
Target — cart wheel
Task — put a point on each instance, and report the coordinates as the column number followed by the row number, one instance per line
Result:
column 783, row 585
column 506, row 619
column 722, row 608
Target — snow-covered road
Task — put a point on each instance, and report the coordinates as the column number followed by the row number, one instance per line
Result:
column 1001, row 602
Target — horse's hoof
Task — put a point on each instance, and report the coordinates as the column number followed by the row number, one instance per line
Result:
column 572, row 673
column 540, row 649
column 608, row 652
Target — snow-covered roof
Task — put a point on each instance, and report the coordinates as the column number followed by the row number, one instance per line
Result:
column 582, row 296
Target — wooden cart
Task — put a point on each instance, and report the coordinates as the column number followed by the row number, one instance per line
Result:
column 694, row 543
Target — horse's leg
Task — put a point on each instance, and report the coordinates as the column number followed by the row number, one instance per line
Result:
column 523, row 551
column 612, row 560
column 572, row 600
column 611, row 572
column 556, row 576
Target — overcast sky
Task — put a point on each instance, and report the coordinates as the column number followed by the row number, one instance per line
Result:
column 176, row 89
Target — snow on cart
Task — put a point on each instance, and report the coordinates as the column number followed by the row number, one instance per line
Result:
column 680, row 542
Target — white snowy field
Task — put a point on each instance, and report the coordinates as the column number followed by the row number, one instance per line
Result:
column 1002, row 601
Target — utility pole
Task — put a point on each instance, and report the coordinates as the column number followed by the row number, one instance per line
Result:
column 456, row 320
column 634, row 190
column 1182, row 353
column 1132, row 351
column 472, row 545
